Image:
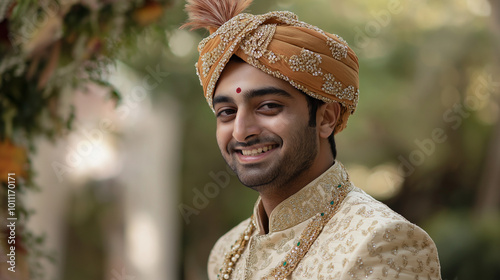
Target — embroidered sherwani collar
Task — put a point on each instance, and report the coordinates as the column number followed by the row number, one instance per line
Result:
column 310, row 200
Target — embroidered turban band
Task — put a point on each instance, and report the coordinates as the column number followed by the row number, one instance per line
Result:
column 318, row 63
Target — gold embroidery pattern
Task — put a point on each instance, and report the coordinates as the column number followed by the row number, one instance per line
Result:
column 308, row 201
column 227, row 37
column 272, row 57
column 209, row 58
column 255, row 44
column 307, row 61
column 331, row 86
column 308, row 237
column 339, row 51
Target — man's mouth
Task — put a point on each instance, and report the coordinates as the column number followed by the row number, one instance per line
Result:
column 256, row 151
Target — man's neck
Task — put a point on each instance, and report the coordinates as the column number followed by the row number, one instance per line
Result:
column 272, row 196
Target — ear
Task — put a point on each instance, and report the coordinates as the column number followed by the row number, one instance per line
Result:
column 328, row 114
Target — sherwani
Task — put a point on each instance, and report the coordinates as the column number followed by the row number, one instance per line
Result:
column 364, row 239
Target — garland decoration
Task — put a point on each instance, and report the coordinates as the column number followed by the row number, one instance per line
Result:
column 49, row 48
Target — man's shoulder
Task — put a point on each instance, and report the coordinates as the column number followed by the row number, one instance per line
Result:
column 359, row 203
column 366, row 235
column 363, row 219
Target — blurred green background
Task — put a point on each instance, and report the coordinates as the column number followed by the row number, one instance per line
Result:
column 425, row 138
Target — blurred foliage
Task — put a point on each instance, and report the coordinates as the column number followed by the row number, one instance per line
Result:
column 91, row 221
column 49, row 48
column 467, row 245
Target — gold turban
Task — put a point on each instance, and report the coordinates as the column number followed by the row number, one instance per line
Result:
column 318, row 63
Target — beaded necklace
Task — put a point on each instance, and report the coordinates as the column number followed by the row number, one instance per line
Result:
column 292, row 259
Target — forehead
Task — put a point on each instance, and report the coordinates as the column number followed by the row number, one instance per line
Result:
column 242, row 77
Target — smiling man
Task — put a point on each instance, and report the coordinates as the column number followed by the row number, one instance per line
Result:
column 281, row 89
column 265, row 136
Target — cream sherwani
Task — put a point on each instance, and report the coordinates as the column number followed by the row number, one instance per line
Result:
column 364, row 239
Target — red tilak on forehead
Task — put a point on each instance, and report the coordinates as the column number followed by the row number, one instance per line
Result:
column 238, row 90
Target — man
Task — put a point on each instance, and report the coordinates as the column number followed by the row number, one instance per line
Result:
column 280, row 90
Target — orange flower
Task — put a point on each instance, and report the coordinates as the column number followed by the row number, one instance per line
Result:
column 148, row 14
column 13, row 159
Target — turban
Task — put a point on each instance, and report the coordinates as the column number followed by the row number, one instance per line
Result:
column 315, row 62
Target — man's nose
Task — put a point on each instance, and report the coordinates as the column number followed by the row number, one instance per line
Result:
column 245, row 125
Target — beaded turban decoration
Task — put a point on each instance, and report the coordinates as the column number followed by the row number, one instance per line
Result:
column 318, row 63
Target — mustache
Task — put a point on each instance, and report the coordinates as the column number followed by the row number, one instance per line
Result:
column 235, row 145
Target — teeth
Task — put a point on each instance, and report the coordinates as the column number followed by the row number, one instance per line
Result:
column 256, row 152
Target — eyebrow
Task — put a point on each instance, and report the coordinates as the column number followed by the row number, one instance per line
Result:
column 222, row 99
column 254, row 93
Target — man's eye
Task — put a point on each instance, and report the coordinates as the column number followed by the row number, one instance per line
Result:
column 226, row 112
column 271, row 107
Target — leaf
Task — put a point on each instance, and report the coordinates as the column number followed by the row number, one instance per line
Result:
column 71, row 118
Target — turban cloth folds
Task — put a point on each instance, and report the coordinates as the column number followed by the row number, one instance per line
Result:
column 317, row 63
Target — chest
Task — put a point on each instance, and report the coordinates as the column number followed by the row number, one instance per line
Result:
column 327, row 257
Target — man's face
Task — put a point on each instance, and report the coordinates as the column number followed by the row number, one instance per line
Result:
column 262, row 127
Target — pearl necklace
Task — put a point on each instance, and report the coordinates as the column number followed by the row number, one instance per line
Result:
column 292, row 259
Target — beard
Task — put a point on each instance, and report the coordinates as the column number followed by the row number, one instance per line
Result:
column 296, row 155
